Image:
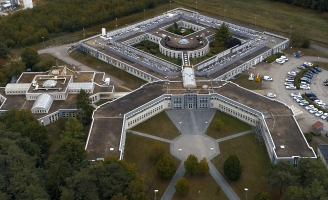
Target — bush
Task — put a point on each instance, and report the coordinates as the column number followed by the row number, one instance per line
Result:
column 218, row 189
column 182, row 186
column 263, row 195
column 232, row 167
column 153, row 51
column 209, row 55
column 156, row 152
column 166, row 167
column 273, row 57
column 203, row 166
column 306, row 43
column 308, row 137
column 191, row 164
column 315, row 133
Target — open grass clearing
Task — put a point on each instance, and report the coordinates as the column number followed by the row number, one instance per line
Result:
column 272, row 16
column 129, row 80
column 153, row 48
column 201, row 187
column 242, row 80
column 160, row 125
column 307, row 52
column 255, row 161
column 231, row 125
column 137, row 152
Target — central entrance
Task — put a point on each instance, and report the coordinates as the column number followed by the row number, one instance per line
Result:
column 190, row 105
column 191, row 101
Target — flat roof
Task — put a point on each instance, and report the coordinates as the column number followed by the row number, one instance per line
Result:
column 60, row 84
column 105, row 134
column 27, row 77
column 81, row 76
column 324, row 151
column 102, row 89
column 99, row 78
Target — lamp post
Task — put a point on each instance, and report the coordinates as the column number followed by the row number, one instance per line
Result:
column 206, row 127
column 43, row 40
column 155, row 193
column 212, row 149
column 179, row 153
column 246, row 190
column 180, row 127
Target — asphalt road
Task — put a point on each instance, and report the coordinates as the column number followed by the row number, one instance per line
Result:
column 61, row 53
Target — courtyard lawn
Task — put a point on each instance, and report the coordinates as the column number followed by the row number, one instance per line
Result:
column 255, row 161
column 201, row 187
column 231, row 125
column 242, row 80
column 129, row 80
column 215, row 48
column 160, row 125
column 137, row 152
column 153, row 48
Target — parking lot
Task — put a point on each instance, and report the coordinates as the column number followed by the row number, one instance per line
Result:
column 278, row 73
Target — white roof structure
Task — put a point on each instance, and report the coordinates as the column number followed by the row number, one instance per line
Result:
column 188, row 76
column 43, row 102
column 12, row 87
column 79, row 86
column 49, row 83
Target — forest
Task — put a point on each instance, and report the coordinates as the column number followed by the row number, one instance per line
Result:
column 27, row 27
column 320, row 5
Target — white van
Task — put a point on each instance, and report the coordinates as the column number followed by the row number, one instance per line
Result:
column 267, row 78
column 251, row 77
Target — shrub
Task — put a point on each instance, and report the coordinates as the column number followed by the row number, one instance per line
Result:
column 263, row 195
column 209, row 55
column 191, row 164
column 232, row 167
column 166, row 167
column 273, row 57
column 153, row 51
column 182, row 186
column 218, row 189
column 306, row 43
column 156, row 152
column 203, row 166
column 308, row 137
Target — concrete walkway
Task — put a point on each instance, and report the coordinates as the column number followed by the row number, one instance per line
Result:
column 314, row 59
column 149, row 136
column 170, row 190
column 223, row 184
column 233, row 136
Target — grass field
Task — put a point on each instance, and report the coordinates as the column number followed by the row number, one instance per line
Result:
column 255, row 161
column 267, row 15
column 129, row 80
column 137, row 152
column 231, row 126
column 160, row 125
column 306, row 52
column 141, row 46
column 323, row 65
column 243, row 81
column 201, row 188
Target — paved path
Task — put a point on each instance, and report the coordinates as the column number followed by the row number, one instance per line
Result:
column 149, row 136
column 320, row 48
column 61, row 53
column 314, row 59
column 170, row 189
column 223, row 184
column 233, row 136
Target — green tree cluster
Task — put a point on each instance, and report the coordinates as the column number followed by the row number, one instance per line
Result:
column 232, row 167
column 320, row 5
column 307, row 181
column 222, row 34
column 30, row 26
column 182, row 186
column 192, row 165
column 299, row 40
column 30, row 57
column 84, row 107
column 178, row 30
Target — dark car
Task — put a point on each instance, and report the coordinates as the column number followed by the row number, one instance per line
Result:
column 326, row 84
column 318, row 69
column 313, row 70
column 304, row 79
column 313, row 98
column 301, row 67
column 310, row 94
column 308, row 76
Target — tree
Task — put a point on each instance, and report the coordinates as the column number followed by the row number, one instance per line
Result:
column 157, row 151
column 263, row 195
column 295, row 193
column 16, row 68
column 4, row 51
column 72, row 149
column 73, row 129
column 166, row 167
column 84, row 107
column 203, row 166
column 222, row 34
column 182, row 186
column 282, row 175
column 233, row 42
column 306, row 43
column 30, row 57
column 232, row 167
column 191, row 164
column 219, row 124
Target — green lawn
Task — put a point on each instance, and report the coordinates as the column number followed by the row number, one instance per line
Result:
column 231, row 126
column 323, row 65
column 146, row 46
column 255, row 161
column 243, row 81
column 160, row 125
column 202, row 188
column 101, row 102
column 214, row 50
column 306, row 52
column 129, row 80
column 137, row 152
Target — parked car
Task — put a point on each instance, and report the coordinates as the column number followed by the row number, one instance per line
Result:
column 299, row 100
column 324, row 116
column 301, row 67
column 289, row 83
column 326, row 84
column 307, row 64
column 309, row 107
column 314, row 110
column 304, row 103
column 305, row 87
column 313, row 98
column 280, row 61
column 271, row 95
column 297, row 97
column 290, row 87
column 310, row 94
column 295, row 94
column 319, row 113
column 284, row 58
column 318, row 69
column 267, row 78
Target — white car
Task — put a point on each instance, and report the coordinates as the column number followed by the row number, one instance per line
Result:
column 308, row 64
column 271, row 95
column 314, row 110
column 290, row 87
column 267, row 78
column 295, row 94
column 309, row 107
column 319, row 113
column 297, row 97
column 289, row 83
column 284, row 58
column 300, row 100
column 324, row 116
column 304, row 103
column 305, row 87
column 280, row 61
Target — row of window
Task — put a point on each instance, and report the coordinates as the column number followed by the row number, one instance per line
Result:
column 16, row 92
column 236, row 114
column 54, row 117
column 146, row 115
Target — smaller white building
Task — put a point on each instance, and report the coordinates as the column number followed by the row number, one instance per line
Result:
column 188, row 76
column 74, row 88
column 42, row 103
column 17, row 88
